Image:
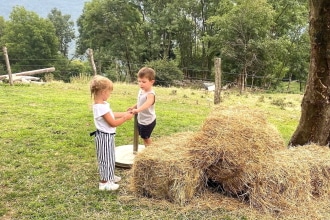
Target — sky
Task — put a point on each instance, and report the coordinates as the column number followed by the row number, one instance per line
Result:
column 44, row 7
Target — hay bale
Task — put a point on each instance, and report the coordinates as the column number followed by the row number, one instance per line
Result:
column 319, row 169
column 240, row 151
column 231, row 141
column 292, row 179
column 162, row 171
column 279, row 185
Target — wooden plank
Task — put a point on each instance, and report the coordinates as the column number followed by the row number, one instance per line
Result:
column 29, row 73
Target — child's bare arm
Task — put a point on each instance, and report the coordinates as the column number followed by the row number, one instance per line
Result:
column 131, row 108
column 149, row 102
column 120, row 114
column 113, row 122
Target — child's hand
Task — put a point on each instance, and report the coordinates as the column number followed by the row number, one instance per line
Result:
column 128, row 116
column 134, row 111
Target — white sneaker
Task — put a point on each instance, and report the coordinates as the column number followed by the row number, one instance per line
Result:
column 117, row 179
column 108, row 186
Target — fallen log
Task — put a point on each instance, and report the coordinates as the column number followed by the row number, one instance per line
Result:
column 26, row 78
column 29, row 73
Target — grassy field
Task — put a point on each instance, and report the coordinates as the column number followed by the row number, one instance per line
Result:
column 48, row 166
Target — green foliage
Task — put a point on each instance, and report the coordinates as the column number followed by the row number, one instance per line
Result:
column 279, row 102
column 30, row 40
column 190, row 32
column 48, row 162
column 261, row 99
column 80, row 79
column 265, row 41
column 291, row 16
column 162, row 21
column 2, row 26
column 242, row 32
column 166, row 72
column 259, row 38
column 49, row 77
column 111, row 29
column 64, row 29
column 65, row 69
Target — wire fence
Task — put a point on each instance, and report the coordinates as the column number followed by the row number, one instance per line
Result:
column 200, row 76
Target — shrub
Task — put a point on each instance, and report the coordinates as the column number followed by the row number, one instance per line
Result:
column 166, row 72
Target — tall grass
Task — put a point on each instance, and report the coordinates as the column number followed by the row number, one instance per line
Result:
column 48, row 167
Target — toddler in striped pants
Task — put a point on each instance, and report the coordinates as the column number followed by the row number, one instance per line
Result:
column 105, row 121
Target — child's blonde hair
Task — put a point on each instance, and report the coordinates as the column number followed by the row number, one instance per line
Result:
column 147, row 72
column 100, row 83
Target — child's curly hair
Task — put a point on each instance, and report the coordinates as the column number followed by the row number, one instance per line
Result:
column 100, row 83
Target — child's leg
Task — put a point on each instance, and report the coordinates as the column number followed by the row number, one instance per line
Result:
column 112, row 159
column 147, row 141
column 105, row 156
column 145, row 132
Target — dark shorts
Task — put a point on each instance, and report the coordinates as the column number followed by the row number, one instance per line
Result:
column 146, row 130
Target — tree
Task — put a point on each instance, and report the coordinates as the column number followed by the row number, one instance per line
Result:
column 291, row 30
column 2, row 61
column 242, row 33
column 64, row 29
column 2, row 25
column 111, row 29
column 167, row 72
column 260, row 41
column 31, row 40
column 314, row 124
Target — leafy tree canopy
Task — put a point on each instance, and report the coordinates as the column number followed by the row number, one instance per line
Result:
column 30, row 40
column 64, row 29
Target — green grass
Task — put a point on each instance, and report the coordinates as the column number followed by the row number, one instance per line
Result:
column 48, row 167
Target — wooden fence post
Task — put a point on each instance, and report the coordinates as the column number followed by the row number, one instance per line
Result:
column 136, row 136
column 217, row 90
column 8, row 65
column 91, row 57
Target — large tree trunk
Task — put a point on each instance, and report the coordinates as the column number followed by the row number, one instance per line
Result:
column 314, row 124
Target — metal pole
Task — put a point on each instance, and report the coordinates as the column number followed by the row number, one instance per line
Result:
column 136, row 136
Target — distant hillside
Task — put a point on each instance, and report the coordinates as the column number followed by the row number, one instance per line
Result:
column 43, row 8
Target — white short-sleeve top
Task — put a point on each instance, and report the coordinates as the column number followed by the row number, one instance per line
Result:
column 98, row 111
column 148, row 115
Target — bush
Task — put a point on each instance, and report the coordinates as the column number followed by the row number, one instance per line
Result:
column 166, row 72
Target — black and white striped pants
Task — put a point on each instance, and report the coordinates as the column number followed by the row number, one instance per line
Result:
column 105, row 152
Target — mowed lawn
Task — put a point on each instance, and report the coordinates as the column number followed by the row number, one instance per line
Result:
column 48, row 166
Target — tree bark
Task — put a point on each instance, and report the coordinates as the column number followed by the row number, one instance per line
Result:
column 314, row 124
